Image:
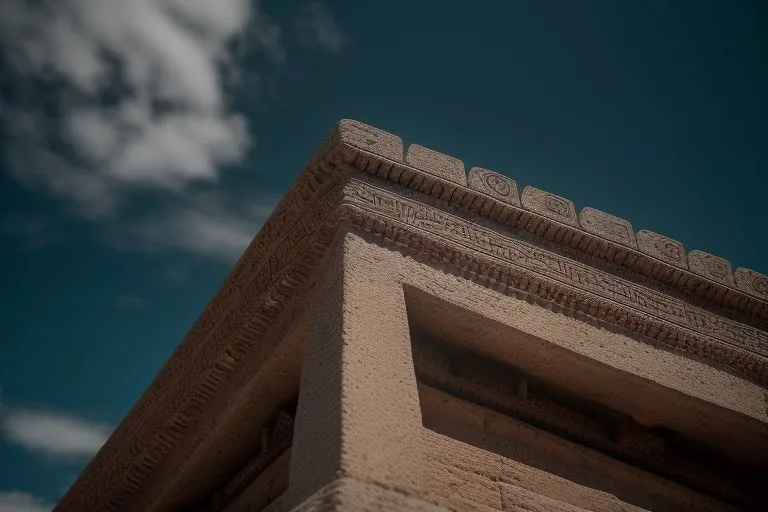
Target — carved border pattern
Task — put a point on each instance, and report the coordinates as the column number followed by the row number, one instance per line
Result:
column 545, row 263
column 513, row 280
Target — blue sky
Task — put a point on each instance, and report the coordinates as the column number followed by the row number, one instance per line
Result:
column 145, row 142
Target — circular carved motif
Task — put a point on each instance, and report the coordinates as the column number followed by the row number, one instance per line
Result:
column 669, row 250
column 718, row 268
column 760, row 285
column 497, row 183
column 556, row 205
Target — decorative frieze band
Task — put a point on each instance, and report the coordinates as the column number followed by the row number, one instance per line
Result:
column 649, row 252
column 442, row 224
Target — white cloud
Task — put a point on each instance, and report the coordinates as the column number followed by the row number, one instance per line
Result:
column 53, row 433
column 116, row 100
column 317, row 27
column 204, row 227
column 138, row 87
column 16, row 501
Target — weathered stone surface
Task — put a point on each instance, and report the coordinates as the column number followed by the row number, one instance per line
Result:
column 436, row 164
column 368, row 138
column 607, row 226
column 405, row 209
column 661, row 247
column 710, row 266
column 494, row 184
column 550, row 205
column 751, row 282
column 324, row 303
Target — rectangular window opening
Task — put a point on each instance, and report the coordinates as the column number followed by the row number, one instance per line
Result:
column 459, row 384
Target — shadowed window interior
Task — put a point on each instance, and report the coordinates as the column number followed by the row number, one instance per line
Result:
column 474, row 398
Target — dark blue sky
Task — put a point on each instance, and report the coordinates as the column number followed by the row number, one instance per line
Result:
column 654, row 111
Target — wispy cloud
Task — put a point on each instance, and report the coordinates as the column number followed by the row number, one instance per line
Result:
column 317, row 27
column 115, row 100
column 53, row 433
column 16, row 501
column 213, row 226
column 138, row 93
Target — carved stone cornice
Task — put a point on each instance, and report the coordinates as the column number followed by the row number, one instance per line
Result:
column 525, row 270
column 494, row 196
column 424, row 217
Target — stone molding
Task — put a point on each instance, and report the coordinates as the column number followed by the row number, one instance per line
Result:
column 561, row 278
column 279, row 263
column 554, row 217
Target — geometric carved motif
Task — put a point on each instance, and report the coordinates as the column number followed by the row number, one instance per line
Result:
column 550, row 206
column 554, row 266
column 493, row 184
column 751, row 282
column 711, row 266
column 607, row 226
column 662, row 248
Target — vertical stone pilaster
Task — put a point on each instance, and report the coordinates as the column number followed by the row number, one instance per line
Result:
column 358, row 416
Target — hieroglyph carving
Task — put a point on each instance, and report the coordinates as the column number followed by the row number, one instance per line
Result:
column 535, row 259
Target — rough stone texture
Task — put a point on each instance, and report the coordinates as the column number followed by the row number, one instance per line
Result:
column 494, row 184
column 663, row 248
column 436, row 164
column 711, row 267
column 550, row 205
column 368, row 138
column 751, row 282
column 366, row 248
column 607, row 226
column 358, row 382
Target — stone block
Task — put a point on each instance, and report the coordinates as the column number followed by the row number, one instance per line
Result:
column 607, row 226
column 436, row 164
column 550, row 205
column 662, row 248
column 367, row 138
column 712, row 267
column 751, row 282
column 494, row 184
